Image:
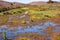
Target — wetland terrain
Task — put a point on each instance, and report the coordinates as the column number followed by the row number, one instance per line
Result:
column 30, row 22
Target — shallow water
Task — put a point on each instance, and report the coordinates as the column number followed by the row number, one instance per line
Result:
column 11, row 32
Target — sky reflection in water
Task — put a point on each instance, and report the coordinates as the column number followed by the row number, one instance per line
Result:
column 16, row 30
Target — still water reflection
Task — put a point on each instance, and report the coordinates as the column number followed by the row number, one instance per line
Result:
column 11, row 32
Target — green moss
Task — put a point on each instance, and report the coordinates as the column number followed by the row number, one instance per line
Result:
column 4, row 36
